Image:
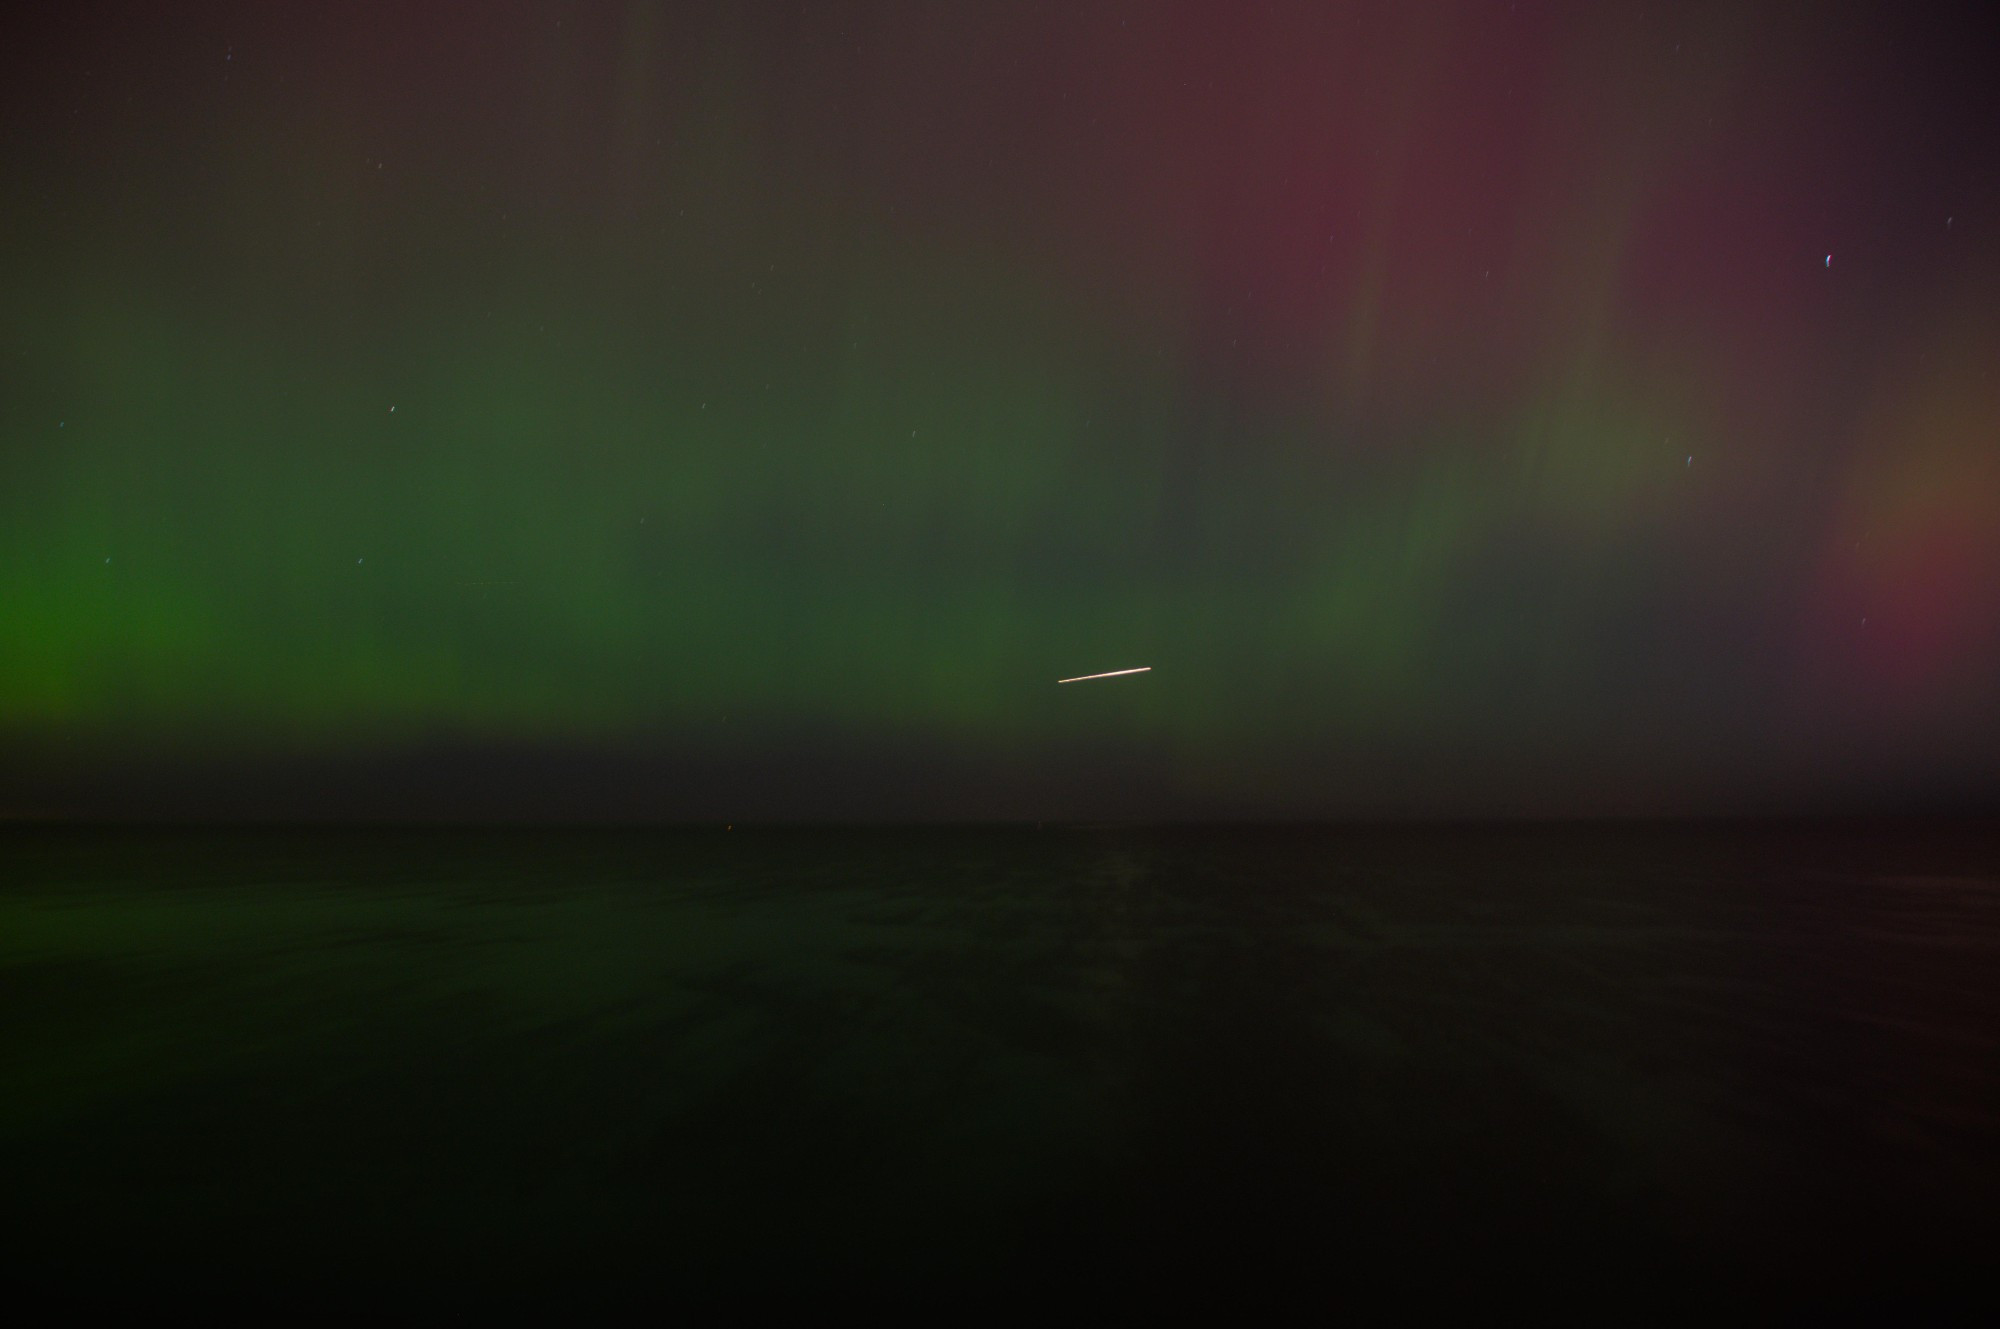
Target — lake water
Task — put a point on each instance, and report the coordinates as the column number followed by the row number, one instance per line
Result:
column 1125, row 1066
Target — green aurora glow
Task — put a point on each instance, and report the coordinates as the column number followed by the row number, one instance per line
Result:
column 679, row 379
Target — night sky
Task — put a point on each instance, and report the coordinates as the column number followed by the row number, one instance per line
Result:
column 734, row 410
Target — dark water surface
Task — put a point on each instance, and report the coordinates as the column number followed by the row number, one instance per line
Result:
column 1131, row 1065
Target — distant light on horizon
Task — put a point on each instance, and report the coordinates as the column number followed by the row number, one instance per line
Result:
column 1085, row 678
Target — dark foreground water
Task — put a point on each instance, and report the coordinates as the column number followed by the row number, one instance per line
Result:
column 1002, row 1067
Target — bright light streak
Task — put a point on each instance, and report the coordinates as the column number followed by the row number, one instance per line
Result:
column 1085, row 678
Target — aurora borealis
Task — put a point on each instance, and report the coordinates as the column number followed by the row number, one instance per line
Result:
column 735, row 409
